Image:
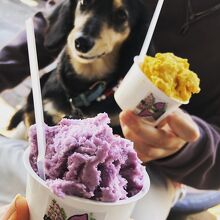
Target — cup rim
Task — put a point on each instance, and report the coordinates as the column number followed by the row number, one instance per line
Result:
column 137, row 62
column 68, row 199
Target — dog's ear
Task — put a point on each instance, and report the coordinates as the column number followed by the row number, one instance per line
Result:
column 60, row 23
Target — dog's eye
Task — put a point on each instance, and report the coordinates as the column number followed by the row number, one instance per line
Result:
column 84, row 3
column 121, row 15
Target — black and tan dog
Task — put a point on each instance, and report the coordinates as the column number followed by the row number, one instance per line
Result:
column 102, row 37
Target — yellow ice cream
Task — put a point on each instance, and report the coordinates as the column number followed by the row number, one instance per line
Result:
column 171, row 74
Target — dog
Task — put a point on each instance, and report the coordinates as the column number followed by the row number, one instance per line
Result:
column 102, row 37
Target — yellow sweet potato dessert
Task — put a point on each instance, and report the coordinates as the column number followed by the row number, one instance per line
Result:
column 172, row 75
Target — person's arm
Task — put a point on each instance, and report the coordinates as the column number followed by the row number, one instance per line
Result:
column 197, row 164
column 14, row 65
column 188, row 158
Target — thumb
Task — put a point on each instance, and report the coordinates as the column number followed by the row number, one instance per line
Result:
column 17, row 210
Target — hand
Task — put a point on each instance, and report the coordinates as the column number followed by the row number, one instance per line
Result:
column 17, row 210
column 167, row 138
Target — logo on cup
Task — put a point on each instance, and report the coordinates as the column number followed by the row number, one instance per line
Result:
column 150, row 109
column 55, row 212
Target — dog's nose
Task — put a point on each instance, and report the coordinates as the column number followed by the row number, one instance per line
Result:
column 84, row 44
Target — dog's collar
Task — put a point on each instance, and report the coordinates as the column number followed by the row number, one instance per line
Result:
column 85, row 99
column 99, row 91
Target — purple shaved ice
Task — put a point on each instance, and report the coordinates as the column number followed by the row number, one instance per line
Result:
column 84, row 158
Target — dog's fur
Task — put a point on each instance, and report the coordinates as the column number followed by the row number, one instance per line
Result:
column 116, row 28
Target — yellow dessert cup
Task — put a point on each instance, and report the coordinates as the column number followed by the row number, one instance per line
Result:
column 138, row 94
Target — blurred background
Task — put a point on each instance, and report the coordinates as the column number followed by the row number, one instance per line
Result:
column 13, row 14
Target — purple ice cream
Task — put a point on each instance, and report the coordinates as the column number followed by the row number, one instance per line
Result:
column 85, row 159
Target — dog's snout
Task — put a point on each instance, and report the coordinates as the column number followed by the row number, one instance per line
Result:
column 84, row 44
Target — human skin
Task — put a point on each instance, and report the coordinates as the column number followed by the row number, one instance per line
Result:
column 152, row 143
column 17, row 210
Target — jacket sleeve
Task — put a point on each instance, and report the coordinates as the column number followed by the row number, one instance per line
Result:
column 14, row 65
column 197, row 164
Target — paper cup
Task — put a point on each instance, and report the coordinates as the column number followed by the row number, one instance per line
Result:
column 44, row 205
column 137, row 93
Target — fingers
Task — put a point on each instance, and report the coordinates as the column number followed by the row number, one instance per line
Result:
column 158, row 138
column 22, row 208
column 18, row 210
column 158, row 142
column 145, row 151
column 162, row 123
column 148, row 153
column 183, row 126
column 142, row 130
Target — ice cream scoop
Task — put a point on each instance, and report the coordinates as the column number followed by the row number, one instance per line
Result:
column 171, row 74
column 84, row 158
